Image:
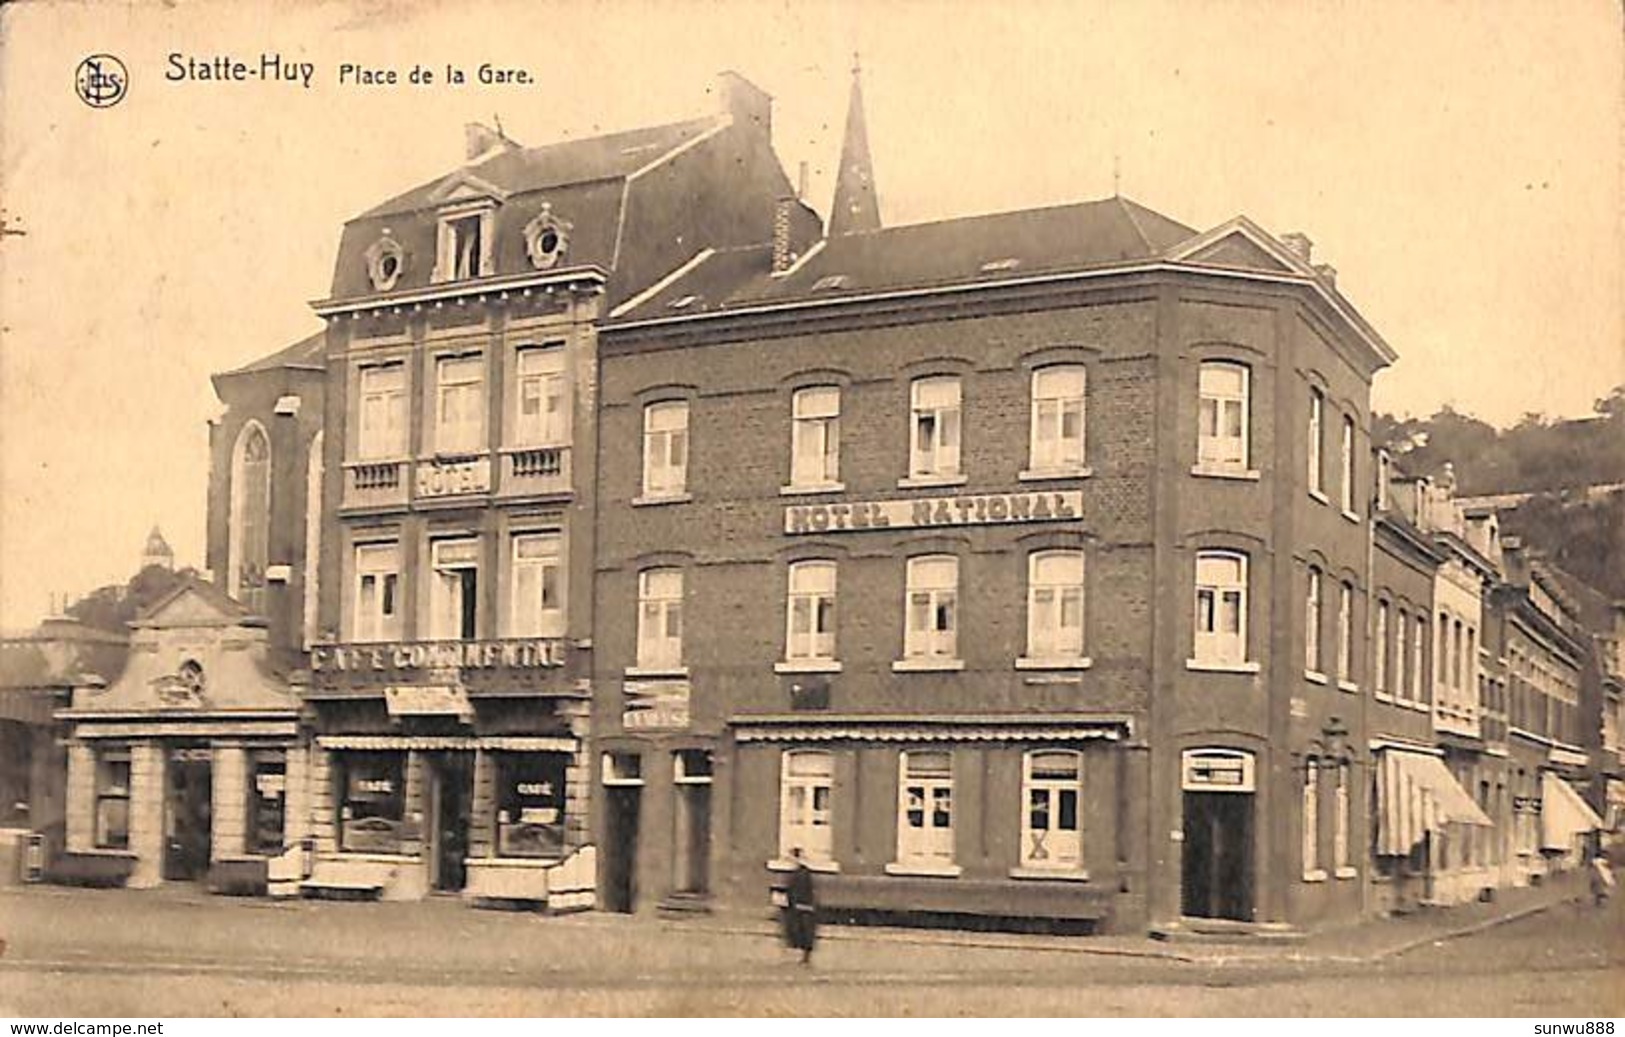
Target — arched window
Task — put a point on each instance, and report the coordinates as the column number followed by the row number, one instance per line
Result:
column 1221, row 608
column 313, row 538
column 806, row 785
column 250, row 517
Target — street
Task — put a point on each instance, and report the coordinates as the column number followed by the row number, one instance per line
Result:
column 117, row 953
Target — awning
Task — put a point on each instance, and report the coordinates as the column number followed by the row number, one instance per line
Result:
column 1415, row 795
column 1563, row 814
column 448, row 742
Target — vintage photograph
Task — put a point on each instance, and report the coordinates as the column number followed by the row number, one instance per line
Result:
column 900, row 509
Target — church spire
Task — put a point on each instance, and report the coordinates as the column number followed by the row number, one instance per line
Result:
column 856, row 206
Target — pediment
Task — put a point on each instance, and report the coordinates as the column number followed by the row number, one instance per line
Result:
column 193, row 605
column 1238, row 250
column 463, row 187
column 1240, row 244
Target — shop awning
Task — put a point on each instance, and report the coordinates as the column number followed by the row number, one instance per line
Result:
column 515, row 744
column 1417, row 794
column 1563, row 814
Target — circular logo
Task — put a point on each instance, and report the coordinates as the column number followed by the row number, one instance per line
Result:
column 101, row 80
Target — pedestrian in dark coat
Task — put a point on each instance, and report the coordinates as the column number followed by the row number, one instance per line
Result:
column 801, row 910
column 1602, row 878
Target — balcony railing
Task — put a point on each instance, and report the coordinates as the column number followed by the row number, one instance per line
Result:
column 374, row 483
column 542, row 470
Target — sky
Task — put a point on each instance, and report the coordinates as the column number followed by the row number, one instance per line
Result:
column 1459, row 163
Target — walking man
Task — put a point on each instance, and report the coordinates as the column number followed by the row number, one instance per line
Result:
column 801, row 909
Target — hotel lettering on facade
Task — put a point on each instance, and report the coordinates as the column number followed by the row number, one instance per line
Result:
column 628, row 534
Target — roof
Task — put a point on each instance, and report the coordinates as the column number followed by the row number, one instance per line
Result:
column 983, row 248
column 213, row 598
column 307, row 352
column 516, row 170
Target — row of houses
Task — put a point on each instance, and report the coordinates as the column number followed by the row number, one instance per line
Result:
column 628, row 533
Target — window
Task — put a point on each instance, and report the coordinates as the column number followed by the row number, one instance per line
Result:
column 250, row 516
column 542, row 415
column 537, row 607
column 815, row 436
column 464, row 247
column 1311, row 818
column 933, row 593
column 1379, row 678
column 806, row 788
column 459, row 404
column 1418, row 646
column 377, row 593
column 660, row 619
column 373, row 806
column 267, row 800
column 1385, row 479
column 383, row 412
column 1348, row 464
column 1340, row 829
column 925, row 811
column 1345, row 633
column 1221, row 434
column 530, row 804
column 934, row 448
column 1057, row 418
column 1051, row 829
column 454, row 595
column 665, row 449
column 1221, row 608
column 1312, row 659
column 314, row 467
column 112, row 799
column 1317, row 411
column 1055, row 605
column 810, row 613
column 1455, row 660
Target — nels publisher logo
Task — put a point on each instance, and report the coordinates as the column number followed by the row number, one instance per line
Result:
column 101, row 80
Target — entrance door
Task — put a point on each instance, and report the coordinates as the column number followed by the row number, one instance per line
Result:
column 188, row 804
column 450, row 810
column 1218, row 858
column 691, row 833
column 621, row 837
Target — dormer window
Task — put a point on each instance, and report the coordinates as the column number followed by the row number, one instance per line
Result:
column 385, row 260
column 465, row 244
column 546, row 238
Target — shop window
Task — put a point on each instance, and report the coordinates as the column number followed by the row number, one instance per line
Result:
column 660, row 619
column 537, row 606
column 810, row 613
column 925, row 809
column 1055, row 605
column 1222, row 417
column 935, row 442
column 665, row 449
column 542, row 417
column 806, row 790
column 459, row 404
column 1051, row 823
column 1221, row 608
column 372, row 812
column 382, row 431
column 530, row 804
column 1057, row 443
column 815, row 437
column 454, row 594
column 267, row 800
column 933, row 608
column 113, row 799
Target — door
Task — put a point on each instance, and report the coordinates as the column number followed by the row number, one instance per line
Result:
column 1217, row 866
column 693, row 839
column 621, row 838
column 188, row 802
column 453, row 792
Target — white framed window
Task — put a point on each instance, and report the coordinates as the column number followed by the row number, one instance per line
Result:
column 1348, row 464
column 112, row 825
column 1052, row 815
column 464, row 246
column 806, row 794
column 935, row 435
column 665, row 448
column 1312, row 659
column 1222, row 416
column 1340, row 824
column 1345, row 633
column 1317, row 417
column 810, row 612
column 815, row 436
column 1311, row 817
column 1419, row 640
column 454, row 593
column 1379, row 655
column 536, row 595
column 382, row 432
column 932, row 631
column 459, row 424
column 1221, row 607
column 925, row 808
column 660, row 619
column 541, row 402
column 1055, row 605
column 1057, row 439
column 377, row 615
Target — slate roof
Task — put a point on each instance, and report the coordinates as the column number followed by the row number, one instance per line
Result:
column 974, row 248
column 306, row 353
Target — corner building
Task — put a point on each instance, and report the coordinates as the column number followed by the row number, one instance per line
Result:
column 969, row 560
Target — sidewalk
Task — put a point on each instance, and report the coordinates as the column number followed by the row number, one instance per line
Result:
column 1362, row 942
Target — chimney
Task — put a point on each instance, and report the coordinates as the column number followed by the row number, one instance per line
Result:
column 1298, row 244
column 782, row 257
column 479, row 138
column 748, row 103
column 1328, row 273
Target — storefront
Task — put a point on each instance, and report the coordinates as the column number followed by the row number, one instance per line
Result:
column 450, row 768
column 188, row 767
column 1422, row 809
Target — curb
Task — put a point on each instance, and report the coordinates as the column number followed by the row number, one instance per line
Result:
column 1477, row 927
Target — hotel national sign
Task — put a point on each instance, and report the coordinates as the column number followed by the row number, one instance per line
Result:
column 963, row 510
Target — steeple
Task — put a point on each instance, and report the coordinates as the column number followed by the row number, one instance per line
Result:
column 856, row 206
column 157, row 552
